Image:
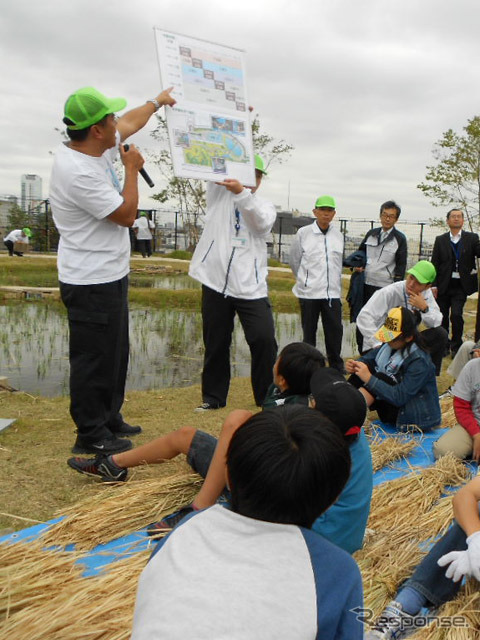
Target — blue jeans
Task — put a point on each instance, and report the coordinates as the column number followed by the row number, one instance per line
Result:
column 429, row 579
column 200, row 455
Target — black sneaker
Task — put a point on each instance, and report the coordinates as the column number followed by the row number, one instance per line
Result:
column 100, row 466
column 207, row 406
column 125, row 429
column 169, row 521
column 106, row 447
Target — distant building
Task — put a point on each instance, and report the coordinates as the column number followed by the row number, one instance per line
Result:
column 31, row 191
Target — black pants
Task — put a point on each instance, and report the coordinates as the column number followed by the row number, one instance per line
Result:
column 331, row 313
column 9, row 245
column 218, row 312
column 387, row 412
column 98, row 321
column 145, row 247
column 451, row 304
column 435, row 340
column 368, row 291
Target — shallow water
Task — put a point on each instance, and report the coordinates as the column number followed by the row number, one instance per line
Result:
column 166, row 348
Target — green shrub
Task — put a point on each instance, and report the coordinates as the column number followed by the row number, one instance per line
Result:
column 180, row 255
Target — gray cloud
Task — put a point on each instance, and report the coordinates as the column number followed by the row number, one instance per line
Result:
column 362, row 89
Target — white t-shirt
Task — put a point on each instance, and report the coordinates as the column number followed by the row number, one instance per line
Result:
column 16, row 236
column 143, row 225
column 467, row 386
column 84, row 191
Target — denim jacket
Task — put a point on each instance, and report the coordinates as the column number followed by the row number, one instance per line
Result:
column 416, row 393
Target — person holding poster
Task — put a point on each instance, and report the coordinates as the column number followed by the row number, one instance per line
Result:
column 231, row 263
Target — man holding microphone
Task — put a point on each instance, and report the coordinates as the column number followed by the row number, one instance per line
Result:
column 92, row 213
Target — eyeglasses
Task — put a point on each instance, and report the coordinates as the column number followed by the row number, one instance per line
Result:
column 329, row 209
column 388, row 216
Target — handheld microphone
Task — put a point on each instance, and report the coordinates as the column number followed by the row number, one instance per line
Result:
column 142, row 171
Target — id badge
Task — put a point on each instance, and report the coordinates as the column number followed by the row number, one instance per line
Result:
column 238, row 241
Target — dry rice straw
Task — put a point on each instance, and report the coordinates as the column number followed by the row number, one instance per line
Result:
column 386, row 450
column 121, row 509
column 94, row 608
column 397, row 505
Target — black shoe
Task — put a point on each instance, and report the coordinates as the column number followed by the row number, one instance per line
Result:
column 169, row 521
column 125, row 430
column 100, row 466
column 106, row 447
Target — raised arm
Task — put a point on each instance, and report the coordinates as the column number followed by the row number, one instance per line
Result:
column 137, row 118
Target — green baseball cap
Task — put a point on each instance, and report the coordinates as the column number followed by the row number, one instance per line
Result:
column 325, row 201
column 260, row 164
column 424, row 272
column 88, row 106
column 27, row 232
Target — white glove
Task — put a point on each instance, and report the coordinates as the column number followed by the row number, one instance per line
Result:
column 473, row 542
column 459, row 562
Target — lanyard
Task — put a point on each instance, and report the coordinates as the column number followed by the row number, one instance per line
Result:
column 237, row 221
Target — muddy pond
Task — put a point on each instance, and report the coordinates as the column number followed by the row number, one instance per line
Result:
column 166, row 348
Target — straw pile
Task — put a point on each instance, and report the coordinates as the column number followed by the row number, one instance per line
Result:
column 466, row 605
column 96, row 608
column 387, row 450
column 119, row 510
column 404, row 511
column 397, row 505
column 31, row 576
column 384, row 564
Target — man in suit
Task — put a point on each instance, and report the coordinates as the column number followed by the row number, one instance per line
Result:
column 453, row 256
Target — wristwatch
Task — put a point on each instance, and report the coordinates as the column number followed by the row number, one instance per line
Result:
column 155, row 103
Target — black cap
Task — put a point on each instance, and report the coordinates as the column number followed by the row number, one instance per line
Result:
column 338, row 400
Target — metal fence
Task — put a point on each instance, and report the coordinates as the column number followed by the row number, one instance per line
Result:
column 171, row 234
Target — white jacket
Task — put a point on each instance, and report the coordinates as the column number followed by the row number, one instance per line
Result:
column 228, row 261
column 373, row 314
column 316, row 260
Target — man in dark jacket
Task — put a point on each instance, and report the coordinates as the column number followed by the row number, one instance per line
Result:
column 386, row 254
column 454, row 255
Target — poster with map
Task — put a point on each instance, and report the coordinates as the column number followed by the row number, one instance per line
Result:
column 209, row 127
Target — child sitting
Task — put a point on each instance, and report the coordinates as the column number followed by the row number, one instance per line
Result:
column 292, row 372
column 398, row 378
column 256, row 571
column 345, row 522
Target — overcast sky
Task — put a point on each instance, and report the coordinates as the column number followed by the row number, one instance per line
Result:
column 362, row 89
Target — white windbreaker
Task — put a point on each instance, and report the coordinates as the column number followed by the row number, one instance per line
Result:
column 234, row 261
column 316, row 260
column 373, row 314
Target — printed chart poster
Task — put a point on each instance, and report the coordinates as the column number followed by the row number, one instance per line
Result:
column 209, row 127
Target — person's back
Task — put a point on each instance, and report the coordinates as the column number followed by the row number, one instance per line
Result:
column 344, row 523
column 256, row 571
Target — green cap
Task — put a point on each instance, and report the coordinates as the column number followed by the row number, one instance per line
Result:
column 27, row 232
column 88, row 106
column 424, row 272
column 260, row 164
column 325, row 201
